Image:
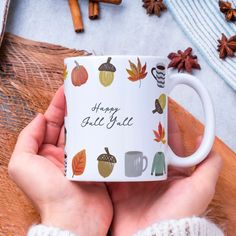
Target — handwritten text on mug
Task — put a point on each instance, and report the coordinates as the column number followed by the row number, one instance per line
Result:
column 110, row 121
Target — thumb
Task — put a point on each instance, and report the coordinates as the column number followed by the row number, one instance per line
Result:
column 31, row 137
column 207, row 173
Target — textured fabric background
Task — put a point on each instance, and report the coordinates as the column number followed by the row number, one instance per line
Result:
column 203, row 22
column 4, row 5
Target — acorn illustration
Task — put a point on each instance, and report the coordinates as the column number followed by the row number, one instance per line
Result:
column 79, row 75
column 106, row 75
column 106, row 162
column 160, row 104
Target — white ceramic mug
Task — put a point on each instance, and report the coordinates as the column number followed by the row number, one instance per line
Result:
column 116, row 121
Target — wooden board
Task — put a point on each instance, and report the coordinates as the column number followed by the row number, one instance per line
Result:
column 30, row 73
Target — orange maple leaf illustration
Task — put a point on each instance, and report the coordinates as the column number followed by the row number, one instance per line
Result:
column 160, row 134
column 137, row 72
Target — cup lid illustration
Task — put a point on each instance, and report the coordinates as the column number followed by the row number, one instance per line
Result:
column 161, row 66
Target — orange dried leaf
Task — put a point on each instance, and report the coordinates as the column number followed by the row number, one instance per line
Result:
column 160, row 134
column 79, row 162
column 130, row 72
column 139, row 65
column 133, row 78
column 65, row 72
column 160, row 129
column 142, row 76
column 144, row 68
column 137, row 72
column 133, row 67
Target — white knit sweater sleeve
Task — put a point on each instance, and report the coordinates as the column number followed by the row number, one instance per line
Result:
column 43, row 230
column 193, row 226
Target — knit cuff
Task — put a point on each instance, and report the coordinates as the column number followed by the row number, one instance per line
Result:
column 43, row 230
column 182, row 227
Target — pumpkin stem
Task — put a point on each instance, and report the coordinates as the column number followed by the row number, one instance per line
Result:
column 107, row 151
column 108, row 59
column 77, row 64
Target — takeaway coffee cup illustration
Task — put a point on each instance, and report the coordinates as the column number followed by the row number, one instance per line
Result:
column 135, row 163
column 116, row 120
column 159, row 74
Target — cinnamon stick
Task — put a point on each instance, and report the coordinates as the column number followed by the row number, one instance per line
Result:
column 93, row 10
column 117, row 2
column 76, row 16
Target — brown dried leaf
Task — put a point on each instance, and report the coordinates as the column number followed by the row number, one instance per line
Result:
column 79, row 162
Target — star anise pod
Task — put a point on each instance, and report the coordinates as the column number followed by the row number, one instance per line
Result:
column 154, row 7
column 228, row 10
column 226, row 47
column 184, row 60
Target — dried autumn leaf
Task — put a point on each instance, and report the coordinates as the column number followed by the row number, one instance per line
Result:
column 79, row 162
column 137, row 72
column 65, row 72
column 160, row 134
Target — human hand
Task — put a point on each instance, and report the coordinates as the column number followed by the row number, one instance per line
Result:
column 184, row 194
column 37, row 165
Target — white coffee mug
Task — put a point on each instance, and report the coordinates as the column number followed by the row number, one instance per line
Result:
column 116, row 121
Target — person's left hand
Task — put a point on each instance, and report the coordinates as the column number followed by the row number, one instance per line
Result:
column 37, row 165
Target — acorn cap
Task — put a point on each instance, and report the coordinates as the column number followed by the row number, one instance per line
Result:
column 107, row 157
column 107, row 66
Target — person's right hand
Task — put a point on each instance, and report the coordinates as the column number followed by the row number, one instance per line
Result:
column 183, row 194
column 37, row 165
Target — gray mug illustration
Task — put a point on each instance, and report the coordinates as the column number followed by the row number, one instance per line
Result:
column 159, row 74
column 135, row 163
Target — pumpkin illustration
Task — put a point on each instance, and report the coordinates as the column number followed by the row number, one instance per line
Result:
column 106, row 162
column 79, row 75
column 106, row 75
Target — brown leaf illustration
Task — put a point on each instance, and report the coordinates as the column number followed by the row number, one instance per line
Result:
column 160, row 134
column 79, row 162
column 137, row 72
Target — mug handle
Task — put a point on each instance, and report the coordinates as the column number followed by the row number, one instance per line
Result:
column 146, row 163
column 209, row 131
column 153, row 73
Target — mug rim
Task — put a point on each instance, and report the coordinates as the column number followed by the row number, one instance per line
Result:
column 133, row 153
column 88, row 57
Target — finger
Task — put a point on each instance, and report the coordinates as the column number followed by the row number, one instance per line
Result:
column 31, row 137
column 61, row 139
column 208, row 171
column 54, row 154
column 55, row 117
column 175, row 139
column 179, row 171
